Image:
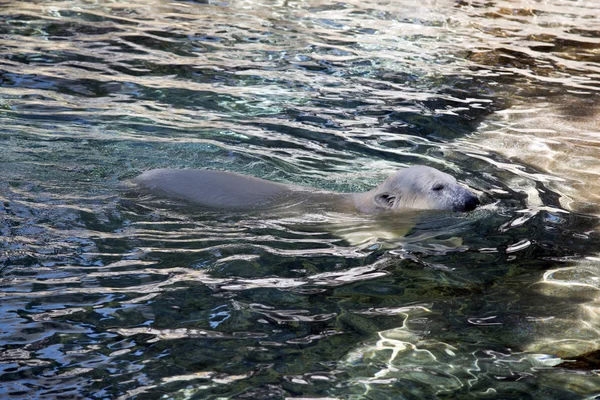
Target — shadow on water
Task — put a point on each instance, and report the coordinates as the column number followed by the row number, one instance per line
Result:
column 105, row 295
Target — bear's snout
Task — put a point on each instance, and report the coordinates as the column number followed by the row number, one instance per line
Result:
column 469, row 203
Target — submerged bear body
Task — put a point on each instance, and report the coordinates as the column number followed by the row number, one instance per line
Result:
column 417, row 187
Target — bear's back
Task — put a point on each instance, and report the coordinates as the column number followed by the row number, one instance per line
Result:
column 217, row 189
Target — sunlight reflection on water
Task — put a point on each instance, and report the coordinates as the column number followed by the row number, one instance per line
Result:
column 111, row 295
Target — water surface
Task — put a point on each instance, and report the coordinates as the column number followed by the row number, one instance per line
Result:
column 107, row 294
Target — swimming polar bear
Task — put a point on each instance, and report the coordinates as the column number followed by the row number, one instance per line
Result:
column 418, row 187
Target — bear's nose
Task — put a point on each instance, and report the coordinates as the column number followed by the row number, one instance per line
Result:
column 471, row 203
column 468, row 202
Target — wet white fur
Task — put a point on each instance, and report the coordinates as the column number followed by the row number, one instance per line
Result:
column 417, row 187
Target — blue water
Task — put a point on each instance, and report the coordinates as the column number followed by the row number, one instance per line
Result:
column 108, row 293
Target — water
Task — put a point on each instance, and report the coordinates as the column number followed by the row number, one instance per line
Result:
column 106, row 294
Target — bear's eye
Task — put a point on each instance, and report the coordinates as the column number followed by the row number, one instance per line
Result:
column 437, row 187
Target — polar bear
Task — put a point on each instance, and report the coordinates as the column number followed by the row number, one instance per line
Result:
column 417, row 187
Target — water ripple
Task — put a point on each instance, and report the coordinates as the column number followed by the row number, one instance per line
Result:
column 109, row 294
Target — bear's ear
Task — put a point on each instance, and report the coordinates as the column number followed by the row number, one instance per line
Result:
column 385, row 200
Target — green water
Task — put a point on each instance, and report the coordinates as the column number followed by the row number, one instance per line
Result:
column 108, row 294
